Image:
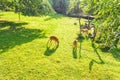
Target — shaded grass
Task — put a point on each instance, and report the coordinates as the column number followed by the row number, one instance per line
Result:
column 24, row 51
column 16, row 35
column 51, row 47
column 116, row 53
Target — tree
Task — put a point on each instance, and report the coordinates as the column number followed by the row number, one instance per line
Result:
column 107, row 13
column 6, row 5
column 74, row 7
column 33, row 7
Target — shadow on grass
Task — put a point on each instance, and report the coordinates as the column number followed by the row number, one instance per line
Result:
column 53, row 16
column 115, row 53
column 94, row 61
column 10, row 37
column 1, row 14
column 95, row 50
column 74, row 52
column 80, row 40
column 10, row 24
column 51, row 48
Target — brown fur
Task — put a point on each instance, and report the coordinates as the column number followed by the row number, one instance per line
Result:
column 54, row 38
column 75, row 43
column 84, row 31
column 86, row 26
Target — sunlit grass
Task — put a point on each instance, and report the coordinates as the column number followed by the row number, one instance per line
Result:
column 22, row 51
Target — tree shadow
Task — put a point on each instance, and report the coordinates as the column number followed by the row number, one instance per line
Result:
column 1, row 14
column 75, row 50
column 94, row 61
column 10, row 24
column 50, row 48
column 80, row 40
column 10, row 37
column 115, row 53
column 95, row 50
column 53, row 16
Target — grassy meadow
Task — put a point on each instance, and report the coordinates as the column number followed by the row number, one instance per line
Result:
column 24, row 54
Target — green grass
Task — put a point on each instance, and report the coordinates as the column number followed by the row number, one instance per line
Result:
column 23, row 48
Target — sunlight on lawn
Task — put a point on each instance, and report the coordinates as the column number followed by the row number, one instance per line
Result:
column 24, row 54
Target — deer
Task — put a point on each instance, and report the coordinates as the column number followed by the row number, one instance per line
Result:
column 93, row 33
column 75, row 43
column 86, row 26
column 53, row 38
column 75, row 48
column 84, row 31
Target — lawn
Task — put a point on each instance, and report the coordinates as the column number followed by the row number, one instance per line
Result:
column 23, row 51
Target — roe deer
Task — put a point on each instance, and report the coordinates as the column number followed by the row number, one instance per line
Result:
column 53, row 38
column 93, row 33
column 84, row 31
column 75, row 43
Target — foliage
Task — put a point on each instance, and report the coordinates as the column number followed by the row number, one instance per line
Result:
column 60, row 6
column 37, row 7
column 33, row 7
column 107, row 13
column 27, row 7
column 6, row 5
column 66, row 7
column 74, row 7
